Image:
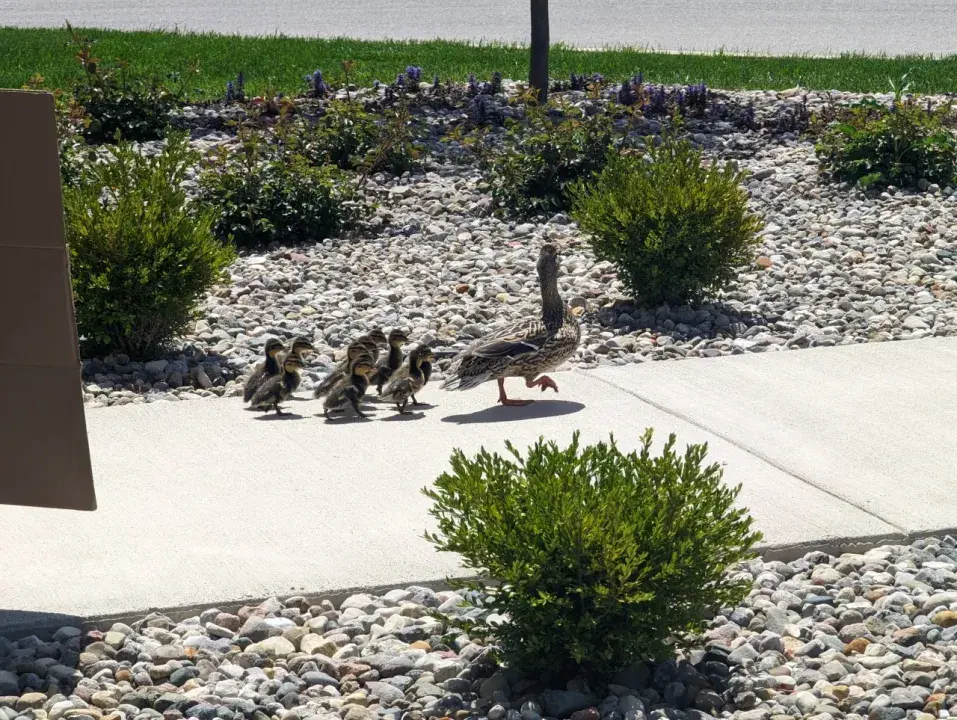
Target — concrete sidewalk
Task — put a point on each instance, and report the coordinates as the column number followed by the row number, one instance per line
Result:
column 203, row 502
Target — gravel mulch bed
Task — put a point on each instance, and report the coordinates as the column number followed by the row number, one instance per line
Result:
column 835, row 267
column 858, row 636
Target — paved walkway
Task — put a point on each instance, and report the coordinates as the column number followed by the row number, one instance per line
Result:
column 820, row 27
column 202, row 502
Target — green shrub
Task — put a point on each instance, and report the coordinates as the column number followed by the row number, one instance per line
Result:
column 264, row 194
column 118, row 101
column 348, row 136
column 674, row 228
column 603, row 556
column 341, row 136
column 879, row 145
column 141, row 258
column 542, row 157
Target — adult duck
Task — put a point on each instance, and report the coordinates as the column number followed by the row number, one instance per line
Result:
column 526, row 348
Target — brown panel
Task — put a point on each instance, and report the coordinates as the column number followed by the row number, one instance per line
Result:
column 44, row 454
column 31, row 207
column 38, row 328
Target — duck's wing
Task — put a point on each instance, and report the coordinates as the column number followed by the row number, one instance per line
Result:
column 267, row 392
column 490, row 356
column 254, row 381
column 512, row 341
column 328, row 382
column 399, row 390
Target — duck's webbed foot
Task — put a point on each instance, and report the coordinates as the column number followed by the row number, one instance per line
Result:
column 507, row 401
column 543, row 382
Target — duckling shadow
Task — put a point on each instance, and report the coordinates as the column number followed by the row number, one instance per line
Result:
column 404, row 418
column 284, row 416
column 534, row 411
column 344, row 419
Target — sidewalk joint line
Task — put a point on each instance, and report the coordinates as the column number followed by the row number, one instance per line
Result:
column 754, row 453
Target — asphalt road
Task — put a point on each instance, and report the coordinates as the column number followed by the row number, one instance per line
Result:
column 818, row 27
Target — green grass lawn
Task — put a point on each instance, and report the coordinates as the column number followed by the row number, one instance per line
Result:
column 281, row 62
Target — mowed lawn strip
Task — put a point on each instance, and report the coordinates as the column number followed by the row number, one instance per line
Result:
column 280, row 63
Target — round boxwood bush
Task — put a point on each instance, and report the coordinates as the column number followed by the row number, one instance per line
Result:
column 141, row 257
column 675, row 228
column 602, row 556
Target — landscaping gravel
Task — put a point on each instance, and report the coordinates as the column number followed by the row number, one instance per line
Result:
column 835, row 267
column 870, row 635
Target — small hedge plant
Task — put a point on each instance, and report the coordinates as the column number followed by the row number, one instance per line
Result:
column 141, row 257
column 675, row 228
column 543, row 156
column 348, row 136
column 603, row 556
column 876, row 145
column 118, row 102
column 265, row 193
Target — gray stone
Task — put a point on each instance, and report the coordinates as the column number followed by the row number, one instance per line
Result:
column 388, row 694
column 562, row 703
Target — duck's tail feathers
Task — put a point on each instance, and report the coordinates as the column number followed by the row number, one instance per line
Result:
column 466, row 382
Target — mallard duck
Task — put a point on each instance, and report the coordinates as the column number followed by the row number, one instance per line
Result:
column 392, row 362
column 526, row 348
column 350, row 390
column 279, row 387
column 341, row 371
column 266, row 369
column 401, row 389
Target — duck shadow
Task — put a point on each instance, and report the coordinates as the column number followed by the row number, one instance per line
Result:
column 534, row 411
column 285, row 416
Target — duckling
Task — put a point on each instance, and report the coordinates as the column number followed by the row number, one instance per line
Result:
column 362, row 345
column 350, row 390
column 279, row 387
column 426, row 365
column 300, row 346
column 378, row 337
column 402, row 389
column 393, row 361
column 263, row 370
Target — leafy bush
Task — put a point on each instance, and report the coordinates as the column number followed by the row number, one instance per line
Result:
column 266, row 194
column 603, row 556
column 141, row 258
column 351, row 138
column 543, row 156
column 878, row 145
column 118, row 101
column 674, row 228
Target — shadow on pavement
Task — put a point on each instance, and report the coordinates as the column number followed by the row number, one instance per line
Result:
column 536, row 410
column 16, row 624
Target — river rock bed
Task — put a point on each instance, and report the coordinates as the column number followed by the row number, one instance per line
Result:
column 870, row 635
column 835, row 267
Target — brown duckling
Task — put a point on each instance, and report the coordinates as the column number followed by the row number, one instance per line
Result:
column 349, row 391
column 402, row 389
column 279, row 387
column 392, row 362
column 379, row 338
column 426, row 365
column 300, row 346
column 264, row 370
column 340, row 372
